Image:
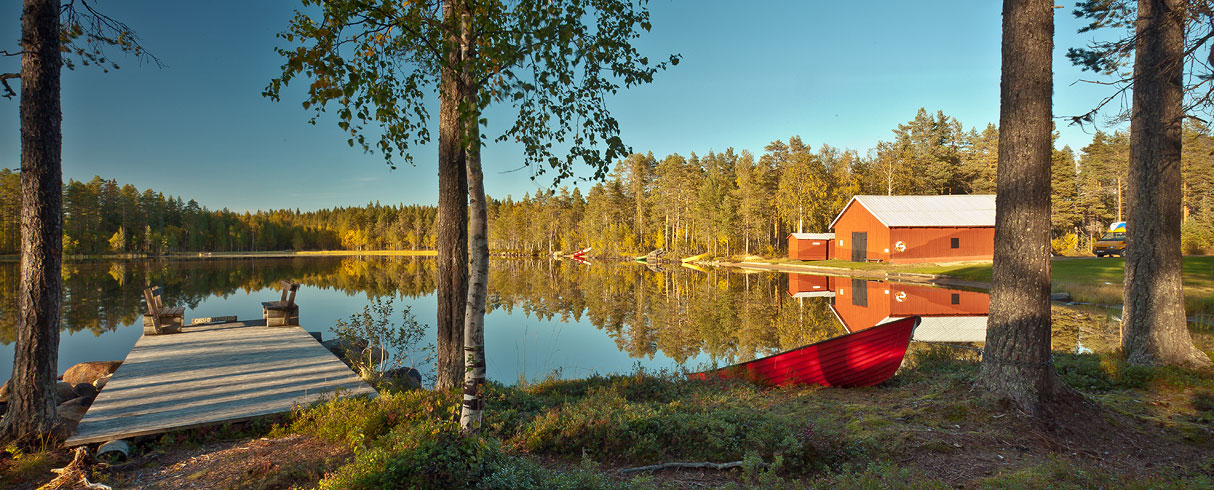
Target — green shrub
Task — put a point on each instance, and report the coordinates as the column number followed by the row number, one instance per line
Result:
column 608, row 426
column 1106, row 372
column 506, row 472
column 376, row 344
column 358, row 422
column 426, row 454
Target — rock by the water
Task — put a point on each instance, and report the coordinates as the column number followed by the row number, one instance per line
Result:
column 85, row 390
column 87, row 372
column 72, row 410
column 406, row 378
column 4, row 391
column 1063, row 296
column 70, row 413
column 339, row 347
column 65, row 391
column 117, row 449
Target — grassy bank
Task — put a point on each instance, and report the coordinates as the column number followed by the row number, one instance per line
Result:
column 925, row 428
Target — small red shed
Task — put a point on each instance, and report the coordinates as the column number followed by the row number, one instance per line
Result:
column 905, row 229
column 809, row 246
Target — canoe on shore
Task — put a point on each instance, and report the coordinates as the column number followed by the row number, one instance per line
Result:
column 863, row 358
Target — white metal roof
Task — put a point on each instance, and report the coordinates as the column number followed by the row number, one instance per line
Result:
column 812, row 236
column 925, row 211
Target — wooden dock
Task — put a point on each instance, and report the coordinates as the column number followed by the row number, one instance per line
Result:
column 211, row 374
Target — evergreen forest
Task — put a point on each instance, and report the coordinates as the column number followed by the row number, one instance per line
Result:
column 725, row 203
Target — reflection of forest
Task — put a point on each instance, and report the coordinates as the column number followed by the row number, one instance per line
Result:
column 728, row 315
column 100, row 296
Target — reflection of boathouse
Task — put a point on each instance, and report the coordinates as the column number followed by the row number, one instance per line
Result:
column 949, row 315
column 904, row 229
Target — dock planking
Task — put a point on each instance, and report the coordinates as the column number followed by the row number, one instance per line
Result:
column 211, row 374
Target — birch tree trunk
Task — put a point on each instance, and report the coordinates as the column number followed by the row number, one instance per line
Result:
column 31, row 413
column 452, row 223
column 474, row 319
column 1154, row 327
column 1016, row 363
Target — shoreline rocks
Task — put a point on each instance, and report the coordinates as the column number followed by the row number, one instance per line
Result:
column 88, row 372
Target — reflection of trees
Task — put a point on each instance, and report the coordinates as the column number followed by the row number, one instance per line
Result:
column 100, row 296
column 680, row 312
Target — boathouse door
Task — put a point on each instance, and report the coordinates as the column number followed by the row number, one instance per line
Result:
column 859, row 246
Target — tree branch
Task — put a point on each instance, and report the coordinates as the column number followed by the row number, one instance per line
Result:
column 707, row 465
column 8, row 89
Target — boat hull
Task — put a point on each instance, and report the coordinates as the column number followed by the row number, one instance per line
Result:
column 864, row 358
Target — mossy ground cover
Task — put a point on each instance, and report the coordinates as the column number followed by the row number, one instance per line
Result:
column 926, row 428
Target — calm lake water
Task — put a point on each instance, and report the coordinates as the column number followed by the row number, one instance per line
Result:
column 546, row 318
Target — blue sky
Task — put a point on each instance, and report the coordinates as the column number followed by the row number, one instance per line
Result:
column 752, row 72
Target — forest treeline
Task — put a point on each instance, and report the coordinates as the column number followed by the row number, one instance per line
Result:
column 721, row 202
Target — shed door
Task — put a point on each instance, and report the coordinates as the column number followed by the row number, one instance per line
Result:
column 859, row 246
column 859, row 296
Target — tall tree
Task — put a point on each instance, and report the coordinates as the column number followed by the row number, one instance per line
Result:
column 1016, row 362
column 980, row 159
column 1153, row 325
column 555, row 62
column 1153, row 321
column 1064, row 192
column 45, row 27
column 31, row 408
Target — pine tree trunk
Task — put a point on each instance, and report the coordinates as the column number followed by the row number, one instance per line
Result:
column 31, row 413
column 1154, row 328
column 452, row 222
column 1016, row 363
column 474, row 319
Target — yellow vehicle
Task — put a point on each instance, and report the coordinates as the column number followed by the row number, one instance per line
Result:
column 1112, row 243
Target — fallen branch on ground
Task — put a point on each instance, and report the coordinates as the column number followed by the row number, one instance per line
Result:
column 705, row 465
column 74, row 475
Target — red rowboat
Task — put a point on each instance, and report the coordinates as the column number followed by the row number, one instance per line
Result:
column 864, row 358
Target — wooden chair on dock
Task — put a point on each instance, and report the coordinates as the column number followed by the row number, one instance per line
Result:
column 283, row 312
column 160, row 320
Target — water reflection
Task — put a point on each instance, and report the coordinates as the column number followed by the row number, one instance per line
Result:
column 544, row 316
column 949, row 315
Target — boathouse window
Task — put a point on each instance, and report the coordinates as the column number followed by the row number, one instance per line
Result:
column 956, row 298
column 956, row 242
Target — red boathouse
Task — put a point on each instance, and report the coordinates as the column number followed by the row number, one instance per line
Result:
column 809, row 246
column 907, row 229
